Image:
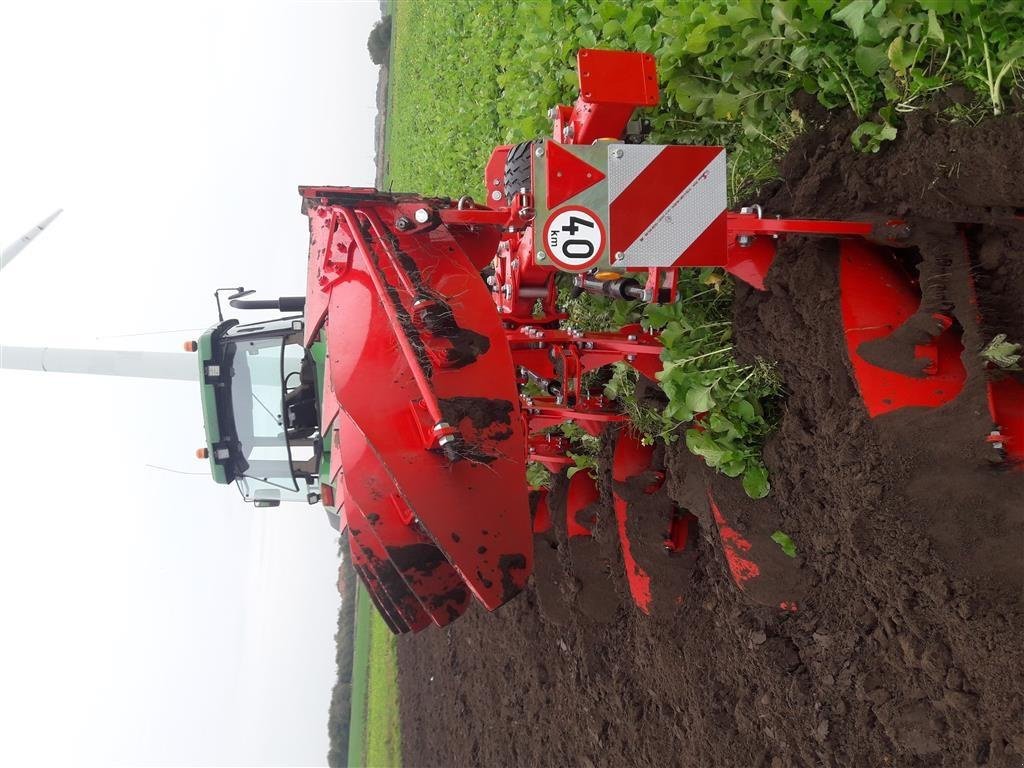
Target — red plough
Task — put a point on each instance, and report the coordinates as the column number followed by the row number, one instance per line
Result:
column 428, row 360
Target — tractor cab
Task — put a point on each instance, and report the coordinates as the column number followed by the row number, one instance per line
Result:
column 260, row 398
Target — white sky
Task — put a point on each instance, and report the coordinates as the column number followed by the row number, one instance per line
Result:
column 151, row 618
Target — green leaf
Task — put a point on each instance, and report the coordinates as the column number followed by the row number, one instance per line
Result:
column 611, row 28
column 938, row 6
column 725, row 105
column 745, row 410
column 610, row 10
column 671, row 334
column 1002, row 353
column 799, row 56
column 868, row 137
column 853, row 15
column 870, row 60
column 785, row 543
column 899, row 57
column 705, row 446
column 819, row 7
column 755, row 482
column 699, row 400
column 934, row 28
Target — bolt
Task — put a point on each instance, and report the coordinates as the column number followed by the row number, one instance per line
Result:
column 506, row 291
column 515, row 265
column 630, row 358
column 551, row 113
column 618, row 256
column 403, row 223
column 997, row 443
column 617, row 153
column 539, row 152
column 541, row 255
column 495, row 195
column 568, row 132
column 744, row 241
column 422, row 215
column 492, row 280
column 631, row 337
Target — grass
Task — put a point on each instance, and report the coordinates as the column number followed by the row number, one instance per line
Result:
column 375, row 738
column 383, row 731
column 365, row 615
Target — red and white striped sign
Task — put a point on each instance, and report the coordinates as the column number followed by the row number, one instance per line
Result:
column 666, row 205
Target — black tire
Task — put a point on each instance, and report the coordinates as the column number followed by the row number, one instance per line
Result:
column 518, row 170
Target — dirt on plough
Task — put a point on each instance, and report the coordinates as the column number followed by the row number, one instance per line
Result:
column 908, row 645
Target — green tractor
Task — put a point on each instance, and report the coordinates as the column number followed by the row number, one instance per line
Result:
column 260, row 389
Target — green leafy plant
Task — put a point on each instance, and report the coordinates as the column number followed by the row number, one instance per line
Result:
column 1003, row 353
column 537, row 475
column 785, row 543
column 724, row 409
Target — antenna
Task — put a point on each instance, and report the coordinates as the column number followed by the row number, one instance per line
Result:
column 18, row 245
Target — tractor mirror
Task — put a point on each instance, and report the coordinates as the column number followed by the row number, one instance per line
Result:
column 266, row 498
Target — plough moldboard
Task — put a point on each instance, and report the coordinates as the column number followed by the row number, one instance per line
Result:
column 437, row 314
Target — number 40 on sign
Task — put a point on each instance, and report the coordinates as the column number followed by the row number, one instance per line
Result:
column 575, row 238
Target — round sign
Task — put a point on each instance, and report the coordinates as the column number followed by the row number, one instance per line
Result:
column 574, row 238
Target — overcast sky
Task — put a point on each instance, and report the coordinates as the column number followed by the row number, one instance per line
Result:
column 153, row 618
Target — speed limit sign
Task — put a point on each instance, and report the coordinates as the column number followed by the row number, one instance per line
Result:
column 574, row 237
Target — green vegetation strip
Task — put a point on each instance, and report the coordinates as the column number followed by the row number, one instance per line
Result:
column 365, row 615
column 383, row 723
column 375, row 738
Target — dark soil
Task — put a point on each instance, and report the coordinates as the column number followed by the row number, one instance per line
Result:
column 908, row 647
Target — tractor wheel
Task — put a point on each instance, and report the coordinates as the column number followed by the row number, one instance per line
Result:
column 518, row 170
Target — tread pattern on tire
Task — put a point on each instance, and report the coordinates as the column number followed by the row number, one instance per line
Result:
column 518, row 170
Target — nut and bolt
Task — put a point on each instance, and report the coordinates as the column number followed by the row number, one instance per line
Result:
column 744, row 241
column 551, row 113
column 403, row 223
